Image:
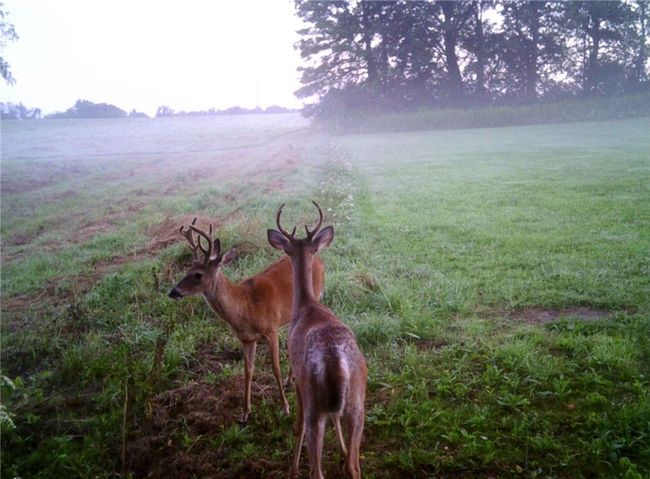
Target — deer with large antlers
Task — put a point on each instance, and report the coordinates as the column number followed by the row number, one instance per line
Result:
column 255, row 308
column 329, row 369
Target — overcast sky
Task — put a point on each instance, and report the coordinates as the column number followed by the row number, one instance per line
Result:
column 189, row 55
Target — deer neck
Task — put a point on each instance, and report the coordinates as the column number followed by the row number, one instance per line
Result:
column 222, row 296
column 303, row 283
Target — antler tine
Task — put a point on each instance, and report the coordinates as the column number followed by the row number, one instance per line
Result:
column 190, row 239
column 310, row 234
column 208, row 237
column 277, row 221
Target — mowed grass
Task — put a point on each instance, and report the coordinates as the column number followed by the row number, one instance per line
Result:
column 451, row 248
column 459, row 232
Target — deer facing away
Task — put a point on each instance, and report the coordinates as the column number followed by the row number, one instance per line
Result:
column 329, row 369
column 254, row 309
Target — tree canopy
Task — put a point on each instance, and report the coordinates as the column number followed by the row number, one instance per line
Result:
column 394, row 55
column 7, row 34
column 88, row 109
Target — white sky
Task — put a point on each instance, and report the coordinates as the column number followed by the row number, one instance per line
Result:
column 189, row 55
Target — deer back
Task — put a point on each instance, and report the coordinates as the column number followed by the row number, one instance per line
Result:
column 268, row 295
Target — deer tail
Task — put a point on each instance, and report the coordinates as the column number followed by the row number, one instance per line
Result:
column 334, row 383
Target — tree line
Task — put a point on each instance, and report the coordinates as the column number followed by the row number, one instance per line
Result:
column 88, row 109
column 397, row 55
column 164, row 111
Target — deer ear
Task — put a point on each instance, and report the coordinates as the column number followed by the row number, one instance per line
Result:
column 323, row 238
column 277, row 240
column 228, row 256
column 216, row 248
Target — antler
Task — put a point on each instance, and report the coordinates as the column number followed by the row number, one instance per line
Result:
column 208, row 237
column 277, row 220
column 194, row 246
column 310, row 234
column 190, row 239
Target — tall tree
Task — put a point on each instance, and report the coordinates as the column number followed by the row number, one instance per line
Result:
column 411, row 38
column 392, row 55
column 532, row 48
column 641, row 12
column 477, row 42
column 335, row 49
column 602, row 28
column 454, row 18
column 479, row 35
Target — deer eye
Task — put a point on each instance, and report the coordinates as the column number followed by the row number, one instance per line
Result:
column 198, row 276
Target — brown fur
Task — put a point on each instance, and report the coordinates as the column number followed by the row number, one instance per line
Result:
column 329, row 369
column 255, row 308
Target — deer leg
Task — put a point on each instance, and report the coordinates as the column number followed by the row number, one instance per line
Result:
column 354, row 421
column 299, row 429
column 249, row 368
column 289, row 379
column 314, row 431
column 274, row 344
column 336, row 420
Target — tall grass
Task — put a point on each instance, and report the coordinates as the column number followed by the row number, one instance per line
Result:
column 588, row 109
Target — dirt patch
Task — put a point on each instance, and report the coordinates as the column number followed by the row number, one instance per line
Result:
column 209, row 360
column 430, row 344
column 89, row 230
column 55, row 295
column 21, row 238
column 15, row 185
column 161, row 236
column 183, row 432
column 168, row 231
column 63, row 195
column 543, row 316
column 180, row 436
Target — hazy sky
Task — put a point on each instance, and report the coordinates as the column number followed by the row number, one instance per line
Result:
column 189, row 55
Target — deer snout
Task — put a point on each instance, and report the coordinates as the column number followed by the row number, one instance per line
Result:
column 174, row 293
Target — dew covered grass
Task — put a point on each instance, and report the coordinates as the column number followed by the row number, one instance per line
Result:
column 498, row 281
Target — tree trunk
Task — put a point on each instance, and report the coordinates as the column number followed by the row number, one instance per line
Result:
column 642, row 56
column 367, row 43
column 451, row 59
column 532, row 54
column 480, row 52
column 384, row 60
column 592, row 61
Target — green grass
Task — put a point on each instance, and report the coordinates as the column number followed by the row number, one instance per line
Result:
column 627, row 106
column 444, row 241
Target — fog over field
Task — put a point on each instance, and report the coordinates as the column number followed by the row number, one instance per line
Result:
column 504, row 265
column 485, row 167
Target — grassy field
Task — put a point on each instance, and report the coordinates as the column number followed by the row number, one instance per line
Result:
column 498, row 281
column 574, row 110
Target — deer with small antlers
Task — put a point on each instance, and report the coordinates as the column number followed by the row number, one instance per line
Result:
column 330, row 371
column 254, row 309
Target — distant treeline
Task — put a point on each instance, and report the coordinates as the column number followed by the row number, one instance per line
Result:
column 81, row 109
column 88, row 109
column 235, row 110
column 393, row 55
column 13, row 111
